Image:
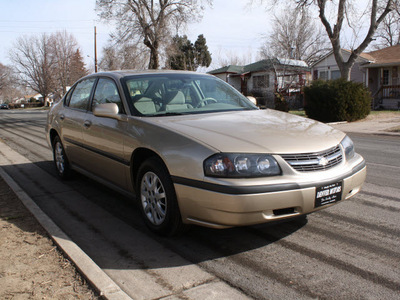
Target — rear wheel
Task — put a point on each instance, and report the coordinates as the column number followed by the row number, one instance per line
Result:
column 157, row 198
column 60, row 159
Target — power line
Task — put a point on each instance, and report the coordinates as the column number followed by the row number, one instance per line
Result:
column 41, row 21
column 39, row 27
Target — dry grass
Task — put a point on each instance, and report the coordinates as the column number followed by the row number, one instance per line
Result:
column 394, row 129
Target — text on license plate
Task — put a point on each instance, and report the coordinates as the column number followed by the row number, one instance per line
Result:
column 328, row 194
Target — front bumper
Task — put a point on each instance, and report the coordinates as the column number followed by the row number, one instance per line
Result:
column 226, row 206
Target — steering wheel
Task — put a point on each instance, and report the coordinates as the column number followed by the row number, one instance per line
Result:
column 206, row 101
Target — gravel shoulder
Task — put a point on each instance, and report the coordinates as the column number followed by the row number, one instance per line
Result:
column 31, row 266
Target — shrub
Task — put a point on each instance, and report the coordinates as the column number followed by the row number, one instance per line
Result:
column 280, row 103
column 337, row 100
column 14, row 105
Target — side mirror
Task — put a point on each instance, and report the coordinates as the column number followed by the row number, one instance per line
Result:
column 107, row 110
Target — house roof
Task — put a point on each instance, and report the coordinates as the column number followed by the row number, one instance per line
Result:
column 32, row 96
column 227, row 69
column 258, row 66
column 365, row 56
column 262, row 65
column 386, row 56
column 389, row 55
column 292, row 62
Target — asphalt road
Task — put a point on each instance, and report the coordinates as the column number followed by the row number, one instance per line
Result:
column 348, row 251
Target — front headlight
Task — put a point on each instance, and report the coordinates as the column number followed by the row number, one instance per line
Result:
column 348, row 147
column 241, row 165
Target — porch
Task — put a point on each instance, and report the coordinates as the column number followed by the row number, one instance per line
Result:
column 387, row 97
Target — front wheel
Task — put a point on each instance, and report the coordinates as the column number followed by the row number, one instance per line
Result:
column 157, row 198
column 60, row 159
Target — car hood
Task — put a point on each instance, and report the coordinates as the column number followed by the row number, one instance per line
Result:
column 255, row 131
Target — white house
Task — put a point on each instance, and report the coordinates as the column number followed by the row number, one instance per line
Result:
column 327, row 69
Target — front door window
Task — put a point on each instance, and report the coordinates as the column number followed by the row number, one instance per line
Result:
column 81, row 94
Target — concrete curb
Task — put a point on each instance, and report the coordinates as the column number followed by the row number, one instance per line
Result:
column 381, row 133
column 337, row 123
column 101, row 282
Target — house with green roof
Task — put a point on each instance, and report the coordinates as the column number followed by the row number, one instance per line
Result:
column 264, row 78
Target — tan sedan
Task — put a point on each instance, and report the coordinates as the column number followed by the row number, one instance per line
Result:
column 195, row 151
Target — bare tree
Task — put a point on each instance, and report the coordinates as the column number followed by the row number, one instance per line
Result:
column 150, row 21
column 34, row 63
column 4, row 76
column 295, row 36
column 9, row 87
column 224, row 57
column 123, row 56
column 388, row 34
column 334, row 14
column 377, row 15
column 110, row 59
column 68, row 63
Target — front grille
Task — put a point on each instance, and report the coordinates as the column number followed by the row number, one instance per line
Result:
column 319, row 161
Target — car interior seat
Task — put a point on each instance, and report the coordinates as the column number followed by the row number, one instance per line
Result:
column 175, row 100
column 145, row 105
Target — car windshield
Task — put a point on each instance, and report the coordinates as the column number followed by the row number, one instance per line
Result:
column 175, row 94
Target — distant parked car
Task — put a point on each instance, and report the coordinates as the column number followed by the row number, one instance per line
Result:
column 195, row 151
column 4, row 106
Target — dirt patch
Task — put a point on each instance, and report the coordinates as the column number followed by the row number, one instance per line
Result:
column 31, row 266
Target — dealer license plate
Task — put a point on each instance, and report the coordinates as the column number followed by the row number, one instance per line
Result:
column 328, row 194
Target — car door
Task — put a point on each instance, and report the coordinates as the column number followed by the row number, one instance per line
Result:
column 72, row 120
column 104, row 137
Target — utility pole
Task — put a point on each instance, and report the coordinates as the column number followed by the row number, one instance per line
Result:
column 95, row 50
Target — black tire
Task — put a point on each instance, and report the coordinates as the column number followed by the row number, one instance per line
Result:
column 60, row 159
column 157, row 199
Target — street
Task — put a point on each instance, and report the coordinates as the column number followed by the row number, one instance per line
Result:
column 348, row 251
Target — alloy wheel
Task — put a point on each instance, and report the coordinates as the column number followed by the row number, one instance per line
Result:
column 59, row 157
column 153, row 198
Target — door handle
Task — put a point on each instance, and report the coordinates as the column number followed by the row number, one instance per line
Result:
column 87, row 123
column 62, row 117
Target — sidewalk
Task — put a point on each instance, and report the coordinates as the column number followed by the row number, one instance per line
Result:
column 385, row 123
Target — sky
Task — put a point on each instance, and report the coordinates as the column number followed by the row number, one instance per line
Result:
column 229, row 27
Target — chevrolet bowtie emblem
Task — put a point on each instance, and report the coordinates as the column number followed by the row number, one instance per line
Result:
column 322, row 161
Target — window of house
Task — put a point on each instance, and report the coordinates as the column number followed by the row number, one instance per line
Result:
column 385, row 77
column 260, row 82
column 335, row 74
column 315, row 75
column 323, row 75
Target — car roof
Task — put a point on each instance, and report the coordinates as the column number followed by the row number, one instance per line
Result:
column 123, row 73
